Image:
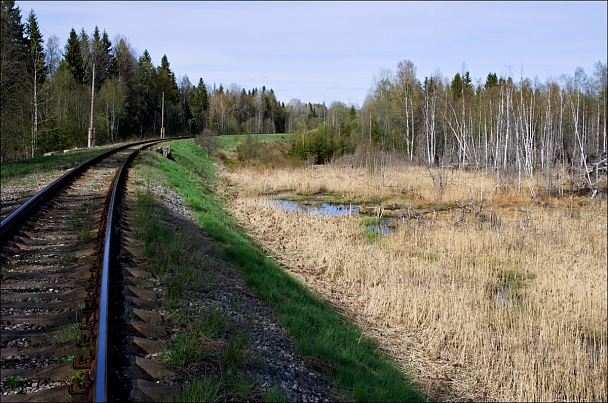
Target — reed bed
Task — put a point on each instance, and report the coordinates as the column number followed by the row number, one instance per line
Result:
column 503, row 301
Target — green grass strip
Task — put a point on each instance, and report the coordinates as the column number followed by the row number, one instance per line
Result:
column 331, row 343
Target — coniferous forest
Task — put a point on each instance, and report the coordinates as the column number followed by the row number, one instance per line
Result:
column 510, row 123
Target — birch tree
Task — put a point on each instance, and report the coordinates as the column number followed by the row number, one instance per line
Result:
column 429, row 111
column 112, row 98
column 407, row 86
column 37, row 72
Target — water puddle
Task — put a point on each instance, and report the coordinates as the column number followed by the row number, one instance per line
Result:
column 315, row 207
column 503, row 297
column 382, row 226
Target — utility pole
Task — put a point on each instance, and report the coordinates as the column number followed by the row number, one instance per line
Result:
column 91, row 127
column 162, row 118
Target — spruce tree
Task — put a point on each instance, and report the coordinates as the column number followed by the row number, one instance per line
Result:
column 491, row 81
column 147, row 85
column 13, row 83
column 200, row 105
column 107, row 51
column 456, row 87
column 101, row 57
column 167, row 82
column 86, row 54
column 73, row 57
column 124, row 69
column 36, row 49
column 95, row 58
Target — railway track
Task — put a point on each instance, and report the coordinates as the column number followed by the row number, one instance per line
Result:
column 77, row 317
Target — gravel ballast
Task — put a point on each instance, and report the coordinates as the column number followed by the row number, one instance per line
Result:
column 269, row 356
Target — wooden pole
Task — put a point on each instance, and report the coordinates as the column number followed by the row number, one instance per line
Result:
column 91, row 127
column 162, row 118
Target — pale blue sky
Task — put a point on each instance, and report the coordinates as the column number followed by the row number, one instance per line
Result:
column 331, row 51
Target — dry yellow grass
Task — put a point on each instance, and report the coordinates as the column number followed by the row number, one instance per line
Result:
column 433, row 292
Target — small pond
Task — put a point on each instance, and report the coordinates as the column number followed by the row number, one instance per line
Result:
column 382, row 227
column 314, row 208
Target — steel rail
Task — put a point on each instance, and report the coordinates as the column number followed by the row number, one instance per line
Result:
column 101, row 362
column 12, row 222
column 100, row 374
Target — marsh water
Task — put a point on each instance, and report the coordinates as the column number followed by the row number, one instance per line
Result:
column 315, row 207
column 383, row 226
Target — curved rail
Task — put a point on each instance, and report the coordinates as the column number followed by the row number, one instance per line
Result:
column 10, row 223
column 101, row 366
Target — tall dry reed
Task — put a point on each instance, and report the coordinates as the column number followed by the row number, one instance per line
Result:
column 506, row 302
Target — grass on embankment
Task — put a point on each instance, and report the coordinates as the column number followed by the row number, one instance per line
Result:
column 324, row 338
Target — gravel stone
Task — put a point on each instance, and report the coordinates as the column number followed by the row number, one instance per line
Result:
column 272, row 357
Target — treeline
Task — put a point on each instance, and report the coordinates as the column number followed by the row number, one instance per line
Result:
column 324, row 133
column 498, row 122
column 503, row 125
column 46, row 93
